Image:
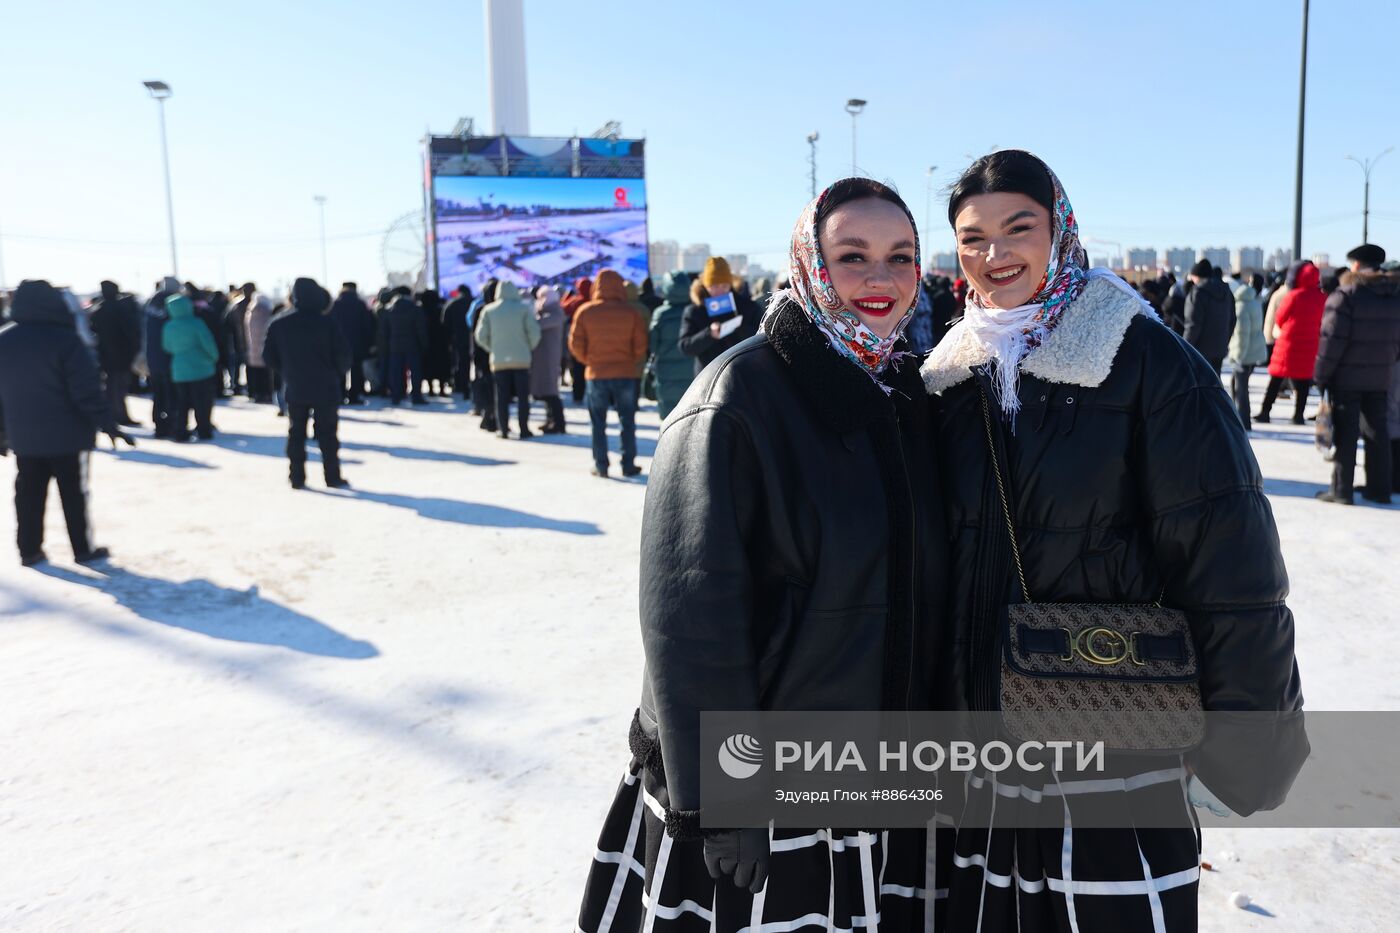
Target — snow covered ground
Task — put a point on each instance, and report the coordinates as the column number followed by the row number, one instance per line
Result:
column 405, row 706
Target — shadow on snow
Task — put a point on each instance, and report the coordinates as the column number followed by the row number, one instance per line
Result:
column 479, row 514
column 219, row 612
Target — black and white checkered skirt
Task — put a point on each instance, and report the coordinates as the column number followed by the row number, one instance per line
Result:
column 969, row 880
column 1075, row 880
column 826, row 879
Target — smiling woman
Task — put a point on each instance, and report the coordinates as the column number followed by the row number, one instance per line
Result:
column 789, row 561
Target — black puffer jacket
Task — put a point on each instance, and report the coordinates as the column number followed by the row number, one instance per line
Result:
column 51, row 399
column 355, row 321
column 1360, row 334
column 116, row 323
column 1210, row 319
column 407, row 330
column 1129, row 472
column 793, row 546
column 309, row 349
column 696, row 339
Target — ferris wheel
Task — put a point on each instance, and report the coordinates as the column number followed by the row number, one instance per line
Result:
column 404, row 251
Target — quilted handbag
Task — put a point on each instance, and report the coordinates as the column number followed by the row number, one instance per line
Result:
column 1084, row 670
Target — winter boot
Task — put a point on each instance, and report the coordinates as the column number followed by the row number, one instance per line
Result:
column 297, row 474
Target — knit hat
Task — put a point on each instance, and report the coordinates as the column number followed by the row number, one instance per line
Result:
column 1202, row 269
column 1368, row 254
column 716, row 271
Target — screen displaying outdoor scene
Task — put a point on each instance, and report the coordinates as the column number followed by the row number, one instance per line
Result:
column 538, row 231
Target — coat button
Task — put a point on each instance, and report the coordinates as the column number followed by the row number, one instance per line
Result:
column 1042, row 398
column 1070, row 400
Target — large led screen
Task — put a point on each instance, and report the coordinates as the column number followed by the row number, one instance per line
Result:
column 537, row 231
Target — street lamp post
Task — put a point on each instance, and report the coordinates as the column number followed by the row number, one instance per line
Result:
column 812, row 159
column 1298, row 179
column 1366, row 167
column 854, row 106
column 320, row 200
column 161, row 92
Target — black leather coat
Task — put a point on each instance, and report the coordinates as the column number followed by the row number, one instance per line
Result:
column 1129, row 473
column 793, row 546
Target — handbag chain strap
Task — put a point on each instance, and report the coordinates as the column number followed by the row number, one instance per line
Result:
column 1006, row 505
column 1001, row 491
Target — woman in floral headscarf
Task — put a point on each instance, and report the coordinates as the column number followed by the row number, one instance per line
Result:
column 792, row 559
column 1130, row 479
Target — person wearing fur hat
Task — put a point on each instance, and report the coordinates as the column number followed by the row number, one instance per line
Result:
column 1357, row 351
column 194, row 357
column 1127, row 478
column 1210, row 314
column 313, row 355
column 51, row 406
column 793, row 558
column 701, row 336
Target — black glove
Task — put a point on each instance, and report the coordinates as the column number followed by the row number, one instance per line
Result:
column 120, row 435
column 742, row 853
column 4, row 451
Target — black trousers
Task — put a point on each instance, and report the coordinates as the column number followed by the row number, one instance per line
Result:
column 578, row 379
column 1301, row 388
column 327, row 423
column 118, row 384
column 462, row 371
column 512, row 382
column 1357, row 415
column 197, row 397
column 1239, row 386
column 32, row 493
column 162, row 405
column 355, row 381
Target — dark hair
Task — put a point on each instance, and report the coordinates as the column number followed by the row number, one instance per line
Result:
column 1011, row 171
column 854, row 189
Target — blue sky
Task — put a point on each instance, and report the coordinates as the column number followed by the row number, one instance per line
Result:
column 1169, row 123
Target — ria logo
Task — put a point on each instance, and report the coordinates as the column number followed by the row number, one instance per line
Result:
column 741, row 756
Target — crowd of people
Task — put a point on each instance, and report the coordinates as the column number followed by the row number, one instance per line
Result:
column 610, row 343
column 1336, row 331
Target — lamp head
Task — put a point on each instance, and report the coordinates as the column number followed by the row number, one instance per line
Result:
column 855, row 105
column 159, row 89
column 812, row 137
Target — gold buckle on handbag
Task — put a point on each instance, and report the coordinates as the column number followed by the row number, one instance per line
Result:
column 1118, row 643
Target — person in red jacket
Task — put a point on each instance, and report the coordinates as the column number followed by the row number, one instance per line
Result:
column 1297, row 329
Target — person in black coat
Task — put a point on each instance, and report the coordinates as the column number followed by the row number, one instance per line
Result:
column 437, row 357
column 792, row 558
column 311, row 353
column 455, row 316
column 51, row 406
column 1209, row 315
column 1359, row 347
column 406, row 336
column 1130, row 480
column 700, row 333
column 357, row 323
column 116, row 323
column 158, row 361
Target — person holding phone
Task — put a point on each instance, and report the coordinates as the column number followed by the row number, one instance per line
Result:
column 707, row 331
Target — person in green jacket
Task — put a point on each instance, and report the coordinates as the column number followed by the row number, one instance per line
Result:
column 673, row 369
column 1247, row 349
column 193, row 356
column 510, row 332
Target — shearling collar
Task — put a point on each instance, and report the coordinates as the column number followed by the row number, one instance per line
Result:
column 1079, row 351
column 842, row 393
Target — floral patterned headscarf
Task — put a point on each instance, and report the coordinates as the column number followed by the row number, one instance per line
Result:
column 810, row 287
column 1010, row 333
